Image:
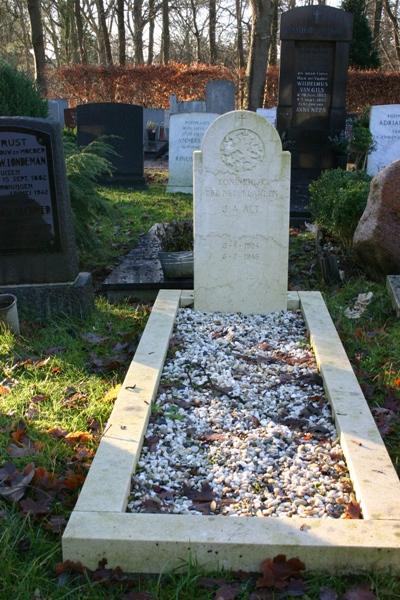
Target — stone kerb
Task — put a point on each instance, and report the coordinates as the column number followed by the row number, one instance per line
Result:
column 241, row 216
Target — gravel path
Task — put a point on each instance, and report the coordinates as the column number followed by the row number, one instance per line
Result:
column 241, row 425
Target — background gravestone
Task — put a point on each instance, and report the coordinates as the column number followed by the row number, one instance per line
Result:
column 187, row 106
column 241, row 216
column 124, row 124
column 185, row 134
column 268, row 113
column 312, row 92
column 384, row 124
column 56, row 110
column 38, row 258
column 220, row 96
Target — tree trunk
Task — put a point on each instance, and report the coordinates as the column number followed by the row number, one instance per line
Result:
column 152, row 16
column 121, row 32
column 38, row 44
column 104, row 32
column 196, row 31
column 273, row 53
column 258, row 53
column 138, row 31
column 79, row 30
column 211, row 31
column 239, row 30
column 165, row 33
column 396, row 30
column 377, row 23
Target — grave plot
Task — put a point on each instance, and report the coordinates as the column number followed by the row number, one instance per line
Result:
column 240, row 267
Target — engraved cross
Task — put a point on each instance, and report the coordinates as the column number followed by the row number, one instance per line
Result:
column 242, row 117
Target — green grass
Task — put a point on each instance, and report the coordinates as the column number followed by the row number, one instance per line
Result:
column 29, row 552
column 132, row 213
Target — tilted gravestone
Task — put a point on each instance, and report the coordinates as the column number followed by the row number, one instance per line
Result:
column 38, row 257
column 384, row 124
column 220, row 96
column 185, row 134
column 121, row 125
column 312, row 92
column 241, row 217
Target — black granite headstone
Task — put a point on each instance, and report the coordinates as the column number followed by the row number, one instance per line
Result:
column 37, row 239
column 122, row 127
column 312, row 92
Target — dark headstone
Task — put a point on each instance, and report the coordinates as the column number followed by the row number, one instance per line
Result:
column 122, row 127
column 220, row 96
column 37, row 240
column 312, row 91
column 70, row 117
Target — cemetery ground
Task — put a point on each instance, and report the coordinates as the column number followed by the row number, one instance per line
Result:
column 59, row 382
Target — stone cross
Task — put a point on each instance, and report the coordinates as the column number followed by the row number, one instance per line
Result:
column 241, row 216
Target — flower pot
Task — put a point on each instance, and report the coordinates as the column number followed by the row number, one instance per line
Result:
column 177, row 265
column 9, row 312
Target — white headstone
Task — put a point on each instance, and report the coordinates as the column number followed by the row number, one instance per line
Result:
column 384, row 125
column 56, row 110
column 241, row 217
column 269, row 114
column 186, row 131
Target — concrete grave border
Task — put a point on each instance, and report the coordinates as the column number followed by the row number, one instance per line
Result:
column 100, row 528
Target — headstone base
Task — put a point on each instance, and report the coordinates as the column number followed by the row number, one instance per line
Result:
column 393, row 286
column 41, row 301
column 176, row 189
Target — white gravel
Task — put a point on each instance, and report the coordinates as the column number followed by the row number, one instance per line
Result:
column 241, row 425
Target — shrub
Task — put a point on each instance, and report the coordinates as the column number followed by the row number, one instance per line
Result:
column 337, row 201
column 18, row 94
column 84, row 168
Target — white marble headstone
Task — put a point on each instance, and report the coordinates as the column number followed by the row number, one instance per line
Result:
column 384, row 125
column 269, row 114
column 186, row 131
column 241, row 216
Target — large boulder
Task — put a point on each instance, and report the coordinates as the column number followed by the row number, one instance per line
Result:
column 376, row 239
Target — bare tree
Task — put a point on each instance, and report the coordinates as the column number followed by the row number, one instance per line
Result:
column 104, row 32
column 152, row 18
column 121, row 32
column 165, row 40
column 38, row 44
column 80, row 32
column 261, row 11
column 212, row 22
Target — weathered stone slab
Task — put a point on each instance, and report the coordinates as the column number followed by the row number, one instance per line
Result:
column 241, row 224
column 187, row 106
column 384, row 124
column 56, row 110
column 220, row 96
column 376, row 238
column 393, row 286
column 123, row 126
column 186, row 132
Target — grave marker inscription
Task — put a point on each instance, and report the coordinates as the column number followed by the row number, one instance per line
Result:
column 185, row 134
column 38, row 257
column 241, row 223
column 312, row 92
column 384, row 125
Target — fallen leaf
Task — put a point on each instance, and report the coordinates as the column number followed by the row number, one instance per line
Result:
column 93, row 338
column 4, row 389
column 69, row 566
column 36, row 507
column 277, row 572
column 78, row 437
column 359, row 592
column 205, row 494
column 56, row 370
column 352, row 510
column 57, row 432
column 227, row 592
column 326, row 593
column 55, row 524
column 14, row 485
column 72, row 480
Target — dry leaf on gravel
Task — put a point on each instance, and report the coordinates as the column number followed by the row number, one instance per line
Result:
column 352, row 510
